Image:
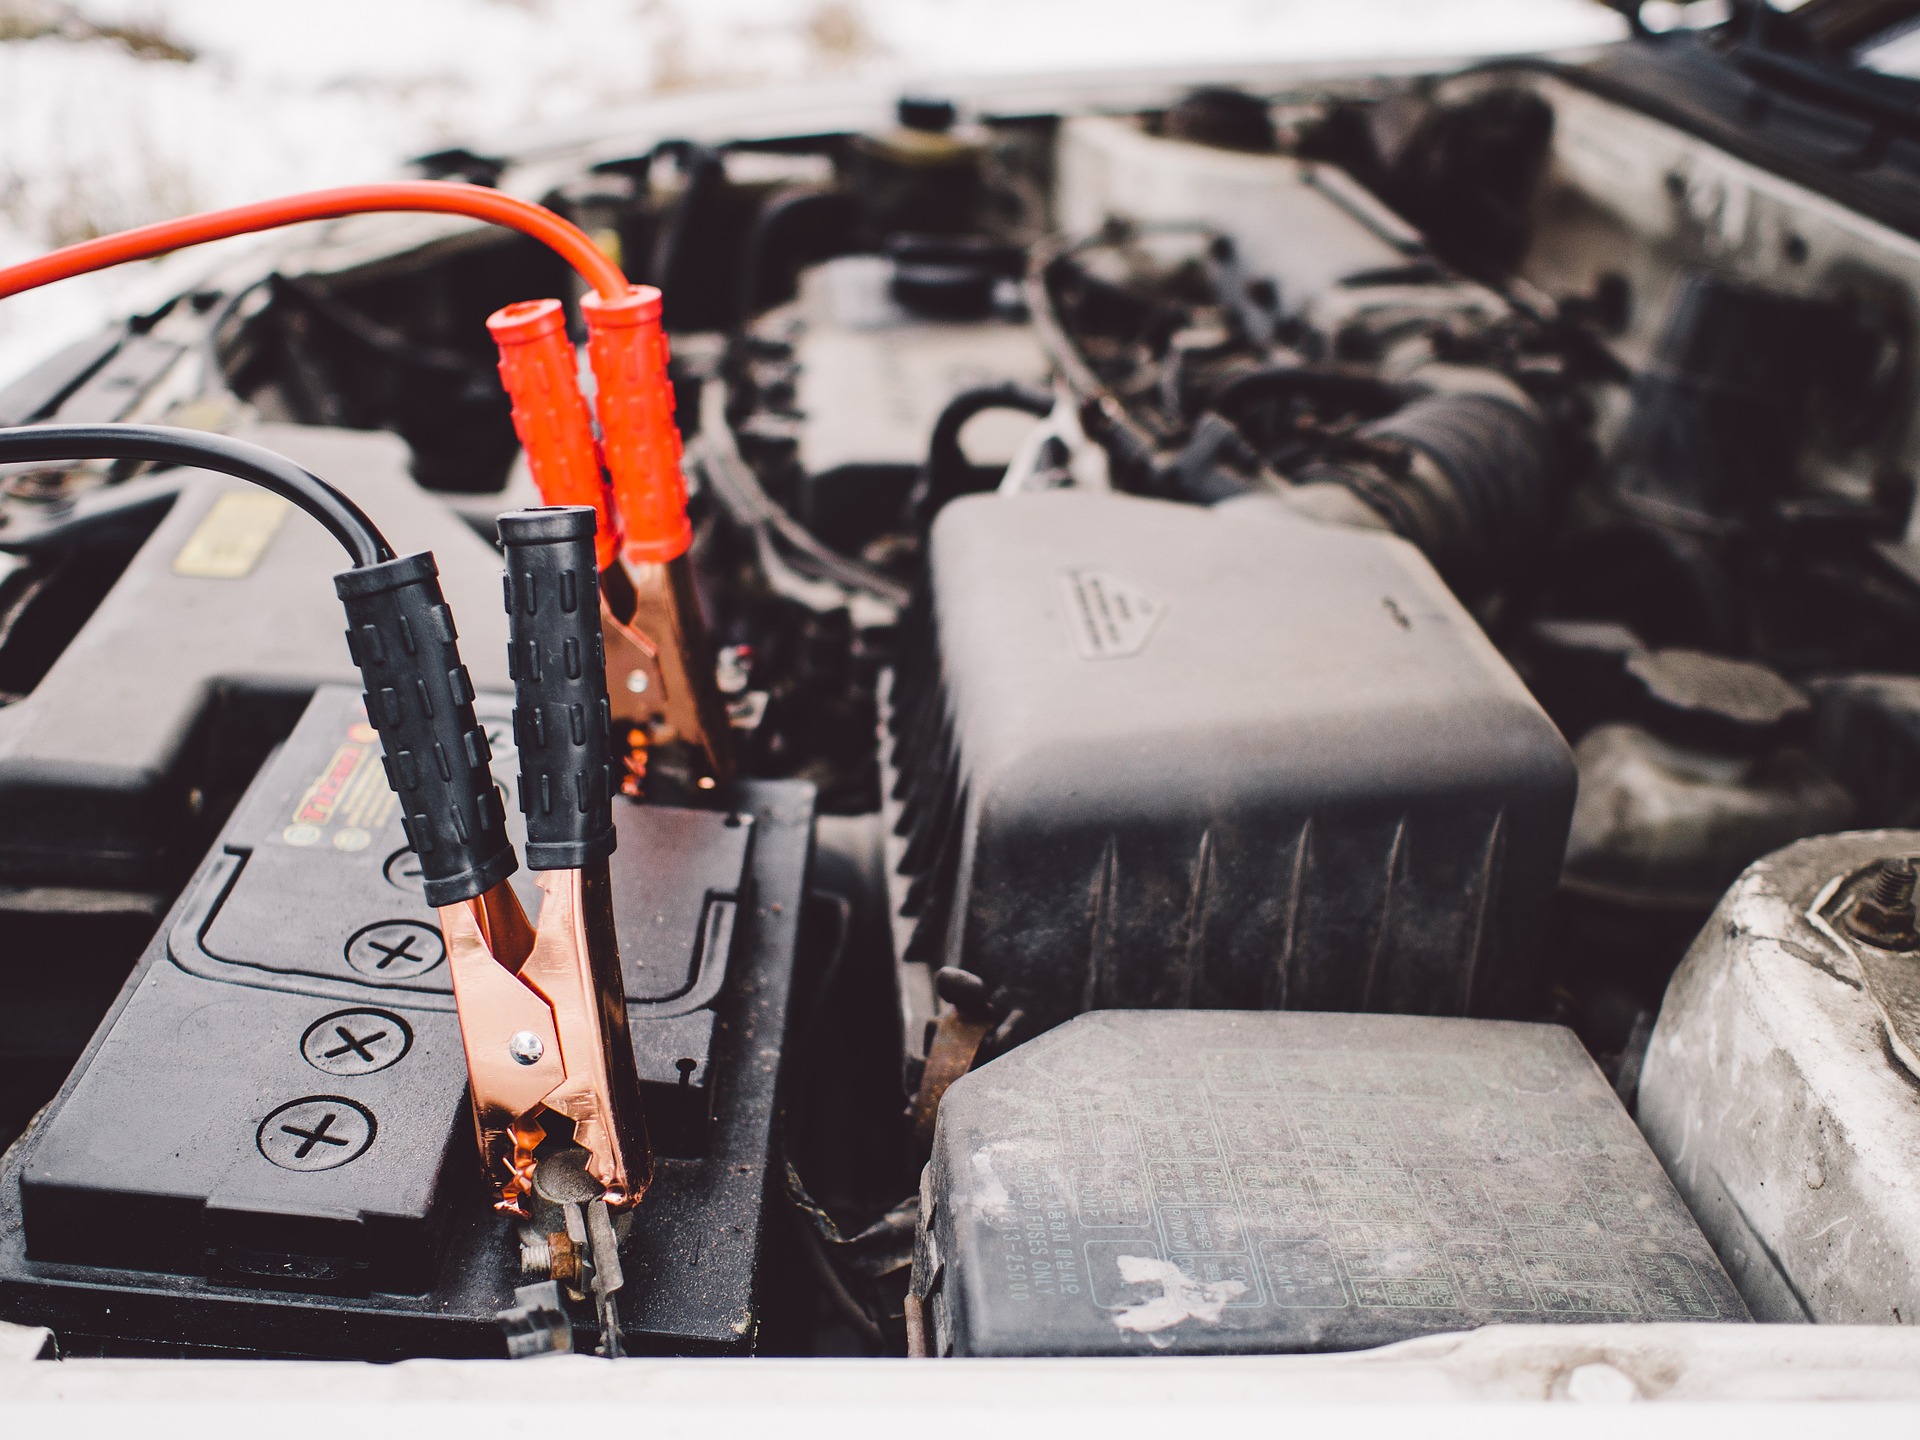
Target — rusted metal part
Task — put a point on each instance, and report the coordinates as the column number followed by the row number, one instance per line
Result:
column 1882, row 909
column 1778, row 1089
column 916, row 1314
column 1875, row 909
column 956, row 1044
column 552, row 1256
column 1893, row 983
column 971, row 1015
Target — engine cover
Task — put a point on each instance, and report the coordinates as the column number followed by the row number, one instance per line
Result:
column 1156, row 756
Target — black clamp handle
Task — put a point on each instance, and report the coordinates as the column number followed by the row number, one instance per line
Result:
column 419, row 697
column 561, row 719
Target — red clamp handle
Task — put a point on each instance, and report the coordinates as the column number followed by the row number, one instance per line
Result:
column 550, row 416
column 628, row 350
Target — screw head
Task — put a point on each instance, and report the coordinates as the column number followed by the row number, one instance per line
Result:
column 637, row 681
column 525, row 1047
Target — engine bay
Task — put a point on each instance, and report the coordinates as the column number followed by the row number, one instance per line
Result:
column 1286, row 719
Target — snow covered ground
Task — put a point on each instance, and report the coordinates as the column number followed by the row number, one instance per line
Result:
column 284, row 95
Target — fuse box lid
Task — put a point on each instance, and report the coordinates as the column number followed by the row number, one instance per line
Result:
column 1210, row 1182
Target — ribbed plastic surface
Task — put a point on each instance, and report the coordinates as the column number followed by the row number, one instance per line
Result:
column 561, row 719
column 642, row 448
column 1158, row 755
column 419, row 697
column 550, row 415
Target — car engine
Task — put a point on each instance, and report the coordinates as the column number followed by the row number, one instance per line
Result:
column 1211, row 719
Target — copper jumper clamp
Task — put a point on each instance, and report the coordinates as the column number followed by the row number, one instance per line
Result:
column 543, row 1011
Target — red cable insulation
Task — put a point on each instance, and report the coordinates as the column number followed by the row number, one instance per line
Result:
column 438, row 196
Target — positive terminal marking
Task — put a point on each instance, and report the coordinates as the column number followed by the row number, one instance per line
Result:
column 395, row 950
column 355, row 1042
column 320, row 1132
column 350, row 1041
column 316, row 1136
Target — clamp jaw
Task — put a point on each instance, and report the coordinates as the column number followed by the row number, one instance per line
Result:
column 543, row 1011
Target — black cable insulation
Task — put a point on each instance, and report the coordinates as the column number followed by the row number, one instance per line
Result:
column 165, row 445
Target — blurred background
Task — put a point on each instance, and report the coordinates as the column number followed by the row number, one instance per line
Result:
column 118, row 112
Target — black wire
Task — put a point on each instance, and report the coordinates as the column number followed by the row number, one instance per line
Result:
column 383, row 340
column 1050, row 328
column 945, row 475
column 706, row 176
column 228, row 307
column 1366, row 393
column 164, row 445
column 778, row 211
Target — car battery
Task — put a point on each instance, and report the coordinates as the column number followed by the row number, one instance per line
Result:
column 267, row 1147
column 1209, row 1182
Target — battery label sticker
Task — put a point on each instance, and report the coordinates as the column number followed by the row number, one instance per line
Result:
column 349, row 800
column 1107, row 617
column 232, row 536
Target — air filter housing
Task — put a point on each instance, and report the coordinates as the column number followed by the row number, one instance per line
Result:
column 1152, row 755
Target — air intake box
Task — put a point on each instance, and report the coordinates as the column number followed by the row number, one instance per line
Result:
column 1210, row 1183
column 1150, row 755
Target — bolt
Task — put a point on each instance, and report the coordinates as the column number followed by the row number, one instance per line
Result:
column 1884, row 915
column 731, row 672
column 1893, row 885
column 552, row 1256
column 525, row 1047
column 566, row 1258
column 967, row 993
column 536, row 1257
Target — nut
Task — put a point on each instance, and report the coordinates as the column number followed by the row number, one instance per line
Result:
column 551, row 1256
column 1883, row 915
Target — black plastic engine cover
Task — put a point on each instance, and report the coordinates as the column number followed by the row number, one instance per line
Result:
column 228, row 606
column 267, row 1147
column 1211, row 1183
column 1150, row 755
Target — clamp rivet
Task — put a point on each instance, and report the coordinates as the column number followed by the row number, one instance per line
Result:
column 637, row 681
column 525, row 1047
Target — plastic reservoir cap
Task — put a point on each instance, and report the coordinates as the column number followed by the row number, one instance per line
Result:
column 1692, row 695
column 628, row 350
column 933, row 113
column 550, row 415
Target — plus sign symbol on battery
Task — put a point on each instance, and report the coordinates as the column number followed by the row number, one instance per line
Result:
column 355, row 1042
column 319, row 1132
column 395, row 950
